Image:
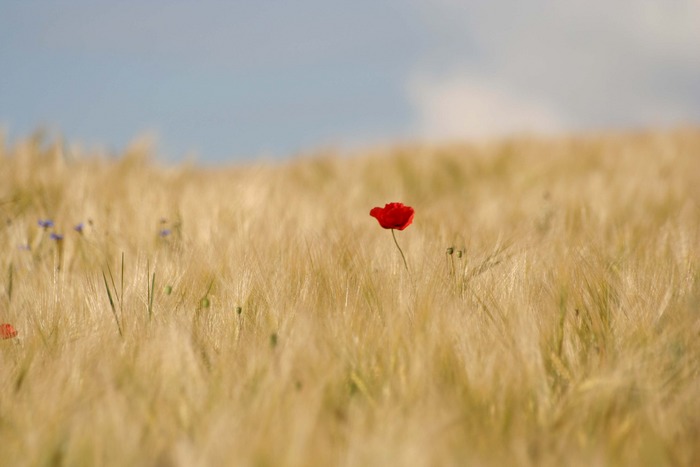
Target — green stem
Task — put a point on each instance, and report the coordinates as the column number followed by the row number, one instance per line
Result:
column 400, row 250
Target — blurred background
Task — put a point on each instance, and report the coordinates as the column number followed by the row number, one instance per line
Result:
column 233, row 81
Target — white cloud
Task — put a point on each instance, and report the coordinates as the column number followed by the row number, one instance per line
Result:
column 580, row 64
column 460, row 105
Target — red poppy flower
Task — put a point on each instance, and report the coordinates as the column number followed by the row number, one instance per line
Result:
column 393, row 215
column 7, row 331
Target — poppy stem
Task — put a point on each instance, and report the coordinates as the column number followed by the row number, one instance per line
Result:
column 400, row 250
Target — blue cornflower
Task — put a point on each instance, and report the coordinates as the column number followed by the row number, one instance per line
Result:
column 79, row 228
column 55, row 236
column 45, row 223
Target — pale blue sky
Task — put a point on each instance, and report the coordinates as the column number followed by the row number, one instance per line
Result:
column 240, row 79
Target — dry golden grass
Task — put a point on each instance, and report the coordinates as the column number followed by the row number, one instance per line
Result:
column 285, row 331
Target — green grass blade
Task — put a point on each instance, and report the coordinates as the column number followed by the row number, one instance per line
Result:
column 111, row 304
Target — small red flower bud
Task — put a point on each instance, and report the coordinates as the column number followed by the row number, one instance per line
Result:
column 7, row 331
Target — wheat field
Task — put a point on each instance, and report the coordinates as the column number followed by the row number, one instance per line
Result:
column 256, row 315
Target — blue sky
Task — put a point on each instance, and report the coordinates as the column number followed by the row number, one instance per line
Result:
column 236, row 80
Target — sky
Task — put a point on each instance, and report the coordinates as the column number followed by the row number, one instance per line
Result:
column 228, row 81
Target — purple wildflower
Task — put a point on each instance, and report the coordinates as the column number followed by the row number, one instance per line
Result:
column 55, row 236
column 79, row 228
column 45, row 223
column 164, row 233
